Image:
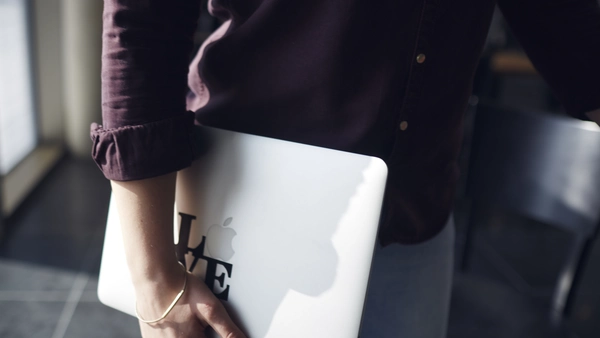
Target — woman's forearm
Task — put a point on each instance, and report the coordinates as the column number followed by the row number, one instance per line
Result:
column 146, row 214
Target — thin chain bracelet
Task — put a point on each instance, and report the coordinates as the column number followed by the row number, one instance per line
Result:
column 170, row 306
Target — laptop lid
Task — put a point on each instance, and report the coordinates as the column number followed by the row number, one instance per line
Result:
column 282, row 232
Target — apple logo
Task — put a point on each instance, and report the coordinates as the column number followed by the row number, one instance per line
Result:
column 218, row 240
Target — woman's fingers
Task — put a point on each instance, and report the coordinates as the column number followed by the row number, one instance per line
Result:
column 211, row 311
column 215, row 315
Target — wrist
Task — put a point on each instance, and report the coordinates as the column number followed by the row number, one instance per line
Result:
column 148, row 276
column 156, row 290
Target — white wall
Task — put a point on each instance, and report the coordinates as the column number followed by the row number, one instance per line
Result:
column 81, row 62
column 67, row 46
column 47, row 58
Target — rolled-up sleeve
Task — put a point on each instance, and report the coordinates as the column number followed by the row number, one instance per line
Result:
column 562, row 39
column 146, row 130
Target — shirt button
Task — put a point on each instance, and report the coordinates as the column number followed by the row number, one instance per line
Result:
column 403, row 125
column 420, row 58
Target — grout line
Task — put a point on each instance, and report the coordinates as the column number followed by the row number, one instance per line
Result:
column 70, row 305
column 76, row 291
column 87, row 296
column 34, row 296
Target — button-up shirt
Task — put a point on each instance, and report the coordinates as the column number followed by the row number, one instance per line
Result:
column 387, row 78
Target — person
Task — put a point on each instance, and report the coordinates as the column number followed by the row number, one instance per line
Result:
column 385, row 78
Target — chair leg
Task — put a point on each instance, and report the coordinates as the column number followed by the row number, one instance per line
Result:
column 569, row 278
column 579, row 269
column 564, row 296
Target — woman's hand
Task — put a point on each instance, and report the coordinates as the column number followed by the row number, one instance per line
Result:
column 197, row 309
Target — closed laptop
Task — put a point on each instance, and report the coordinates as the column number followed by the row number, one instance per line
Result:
column 283, row 233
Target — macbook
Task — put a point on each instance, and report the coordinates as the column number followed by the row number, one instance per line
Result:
column 283, row 233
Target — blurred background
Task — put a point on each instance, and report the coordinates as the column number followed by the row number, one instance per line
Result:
column 527, row 209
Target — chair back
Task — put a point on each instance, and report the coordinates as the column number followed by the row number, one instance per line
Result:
column 542, row 165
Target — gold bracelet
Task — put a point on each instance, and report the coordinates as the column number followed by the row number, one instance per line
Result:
column 172, row 304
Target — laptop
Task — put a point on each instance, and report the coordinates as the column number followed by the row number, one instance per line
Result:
column 283, row 233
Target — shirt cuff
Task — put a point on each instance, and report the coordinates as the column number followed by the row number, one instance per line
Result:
column 143, row 151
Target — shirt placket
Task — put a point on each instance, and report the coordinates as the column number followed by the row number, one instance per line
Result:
column 416, row 79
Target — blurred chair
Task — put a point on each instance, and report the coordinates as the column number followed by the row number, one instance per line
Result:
column 545, row 167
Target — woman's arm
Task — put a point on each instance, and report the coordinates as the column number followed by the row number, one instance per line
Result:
column 146, row 213
column 145, row 138
column 146, row 130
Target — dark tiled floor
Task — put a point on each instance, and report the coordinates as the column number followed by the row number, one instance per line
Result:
column 50, row 257
column 81, row 325
column 508, row 287
column 29, row 318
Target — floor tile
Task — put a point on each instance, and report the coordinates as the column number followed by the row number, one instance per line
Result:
column 90, row 292
column 71, row 201
column 92, row 284
column 29, row 319
column 586, row 312
column 484, row 308
column 535, row 250
column 19, row 276
column 92, row 319
column 64, row 216
column 63, row 252
column 94, row 254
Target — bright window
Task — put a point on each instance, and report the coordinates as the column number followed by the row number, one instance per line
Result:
column 17, row 116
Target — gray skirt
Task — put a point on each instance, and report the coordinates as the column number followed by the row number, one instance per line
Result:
column 409, row 289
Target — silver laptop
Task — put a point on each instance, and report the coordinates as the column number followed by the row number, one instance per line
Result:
column 283, row 233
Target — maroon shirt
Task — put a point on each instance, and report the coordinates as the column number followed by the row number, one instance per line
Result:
column 388, row 78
